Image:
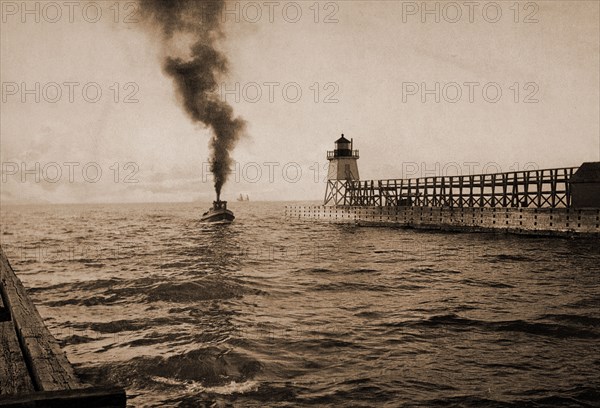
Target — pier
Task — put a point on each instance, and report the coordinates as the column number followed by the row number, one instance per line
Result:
column 558, row 201
column 34, row 371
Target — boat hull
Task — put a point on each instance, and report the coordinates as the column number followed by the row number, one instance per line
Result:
column 223, row 216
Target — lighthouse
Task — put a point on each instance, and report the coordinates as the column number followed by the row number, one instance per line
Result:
column 343, row 170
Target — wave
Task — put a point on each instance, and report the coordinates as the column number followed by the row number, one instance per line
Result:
column 148, row 289
column 364, row 270
column 490, row 284
column 76, row 339
column 201, row 368
column 314, row 270
column 199, row 290
column 517, row 326
column 434, row 270
column 350, row 286
column 577, row 397
column 493, row 258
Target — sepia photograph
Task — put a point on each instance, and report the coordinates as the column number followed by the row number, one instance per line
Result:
column 310, row 203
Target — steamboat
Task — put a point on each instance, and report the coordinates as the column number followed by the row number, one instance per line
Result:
column 218, row 213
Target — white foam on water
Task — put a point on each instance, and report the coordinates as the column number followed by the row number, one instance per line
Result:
column 195, row 387
column 231, row 388
column 168, row 381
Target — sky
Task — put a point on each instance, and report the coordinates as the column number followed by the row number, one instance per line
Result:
column 423, row 88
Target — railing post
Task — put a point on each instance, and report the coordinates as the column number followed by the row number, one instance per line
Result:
column 553, row 183
column 471, row 193
column 482, row 188
column 525, row 201
column 493, row 198
column 568, row 187
column 504, row 189
column 451, row 191
column 460, row 191
column 539, row 188
column 417, row 192
column 435, row 197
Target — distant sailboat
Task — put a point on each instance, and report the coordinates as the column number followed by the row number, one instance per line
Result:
column 247, row 198
column 241, row 198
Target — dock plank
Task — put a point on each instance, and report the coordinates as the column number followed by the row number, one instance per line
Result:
column 46, row 369
column 14, row 377
column 48, row 365
column 85, row 397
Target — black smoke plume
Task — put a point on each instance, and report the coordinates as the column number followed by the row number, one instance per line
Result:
column 196, row 78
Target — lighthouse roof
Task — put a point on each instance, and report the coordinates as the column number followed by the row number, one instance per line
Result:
column 342, row 140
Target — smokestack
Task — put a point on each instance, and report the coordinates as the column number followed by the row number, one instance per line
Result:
column 196, row 78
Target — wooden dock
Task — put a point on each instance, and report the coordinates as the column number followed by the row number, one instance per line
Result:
column 34, row 371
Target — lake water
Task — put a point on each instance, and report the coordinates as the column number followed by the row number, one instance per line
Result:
column 269, row 312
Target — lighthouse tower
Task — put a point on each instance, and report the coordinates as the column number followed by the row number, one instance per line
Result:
column 343, row 170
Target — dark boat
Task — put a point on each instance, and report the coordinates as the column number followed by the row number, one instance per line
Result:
column 218, row 213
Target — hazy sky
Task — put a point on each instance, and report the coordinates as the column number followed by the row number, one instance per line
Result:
column 370, row 60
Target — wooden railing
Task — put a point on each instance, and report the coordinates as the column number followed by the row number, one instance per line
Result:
column 535, row 188
column 334, row 154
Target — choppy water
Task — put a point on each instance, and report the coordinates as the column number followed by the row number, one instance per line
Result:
column 266, row 312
